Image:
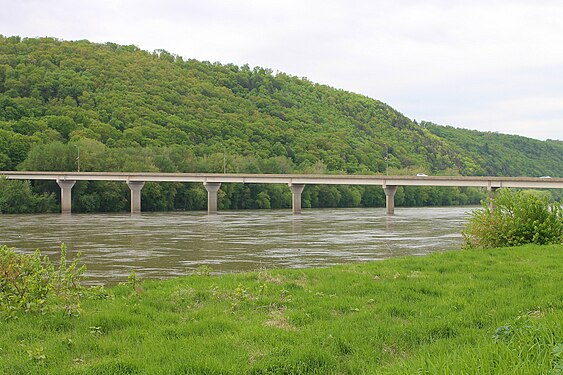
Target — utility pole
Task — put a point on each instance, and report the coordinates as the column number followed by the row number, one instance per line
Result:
column 224, row 158
column 77, row 158
column 387, row 158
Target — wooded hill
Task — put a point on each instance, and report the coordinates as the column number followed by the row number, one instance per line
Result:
column 125, row 109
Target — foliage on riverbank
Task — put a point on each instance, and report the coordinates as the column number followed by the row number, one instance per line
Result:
column 31, row 283
column 17, row 197
column 514, row 218
column 481, row 312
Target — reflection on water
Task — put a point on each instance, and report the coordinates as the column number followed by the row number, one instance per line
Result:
column 158, row 245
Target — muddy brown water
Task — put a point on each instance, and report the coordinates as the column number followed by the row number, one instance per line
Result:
column 161, row 245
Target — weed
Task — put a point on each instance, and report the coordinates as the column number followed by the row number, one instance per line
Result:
column 285, row 296
column 203, row 270
column 30, row 283
column 95, row 330
column 37, row 354
column 134, row 282
column 72, row 310
column 240, row 293
column 97, row 292
column 557, row 352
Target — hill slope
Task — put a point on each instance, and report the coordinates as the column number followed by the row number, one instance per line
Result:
column 127, row 109
column 502, row 154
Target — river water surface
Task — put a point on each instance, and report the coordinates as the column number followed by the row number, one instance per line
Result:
column 159, row 245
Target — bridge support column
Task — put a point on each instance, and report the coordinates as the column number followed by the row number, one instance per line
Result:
column 212, row 188
column 296, row 190
column 492, row 195
column 135, row 187
column 66, row 195
column 390, row 191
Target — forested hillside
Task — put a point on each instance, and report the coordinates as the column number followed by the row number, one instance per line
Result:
column 504, row 155
column 124, row 109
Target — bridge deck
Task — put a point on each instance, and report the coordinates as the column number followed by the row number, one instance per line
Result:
column 306, row 179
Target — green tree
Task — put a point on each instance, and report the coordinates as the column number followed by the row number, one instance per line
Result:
column 17, row 197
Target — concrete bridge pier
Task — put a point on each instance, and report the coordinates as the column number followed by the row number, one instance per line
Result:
column 390, row 191
column 296, row 190
column 66, row 195
column 135, row 187
column 492, row 195
column 212, row 188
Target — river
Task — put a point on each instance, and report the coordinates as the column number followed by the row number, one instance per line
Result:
column 160, row 245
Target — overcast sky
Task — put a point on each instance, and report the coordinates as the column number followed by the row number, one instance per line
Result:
column 481, row 64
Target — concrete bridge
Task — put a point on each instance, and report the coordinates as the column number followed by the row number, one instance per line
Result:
column 296, row 182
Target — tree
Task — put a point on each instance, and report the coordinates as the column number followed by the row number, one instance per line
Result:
column 17, row 197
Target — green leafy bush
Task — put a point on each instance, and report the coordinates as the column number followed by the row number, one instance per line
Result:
column 17, row 197
column 30, row 283
column 514, row 219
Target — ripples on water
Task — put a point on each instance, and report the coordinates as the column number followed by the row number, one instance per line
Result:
column 158, row 245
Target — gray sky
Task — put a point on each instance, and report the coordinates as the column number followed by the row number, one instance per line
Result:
column 482, row 64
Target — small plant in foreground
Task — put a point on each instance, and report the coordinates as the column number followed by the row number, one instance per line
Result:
column 514, row 219
column 558, row 361
column 37, row 354
column 134, row 282
column 30, row 283
column 203, row 270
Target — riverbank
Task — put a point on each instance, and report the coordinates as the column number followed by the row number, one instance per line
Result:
column 483, row 311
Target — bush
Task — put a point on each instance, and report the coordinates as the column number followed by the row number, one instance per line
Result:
column 514, row 219
column 17, row 197
column 30, row 283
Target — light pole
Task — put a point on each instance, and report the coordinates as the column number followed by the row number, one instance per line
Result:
column 387, row 158
column 224, row 160
column 77, row 158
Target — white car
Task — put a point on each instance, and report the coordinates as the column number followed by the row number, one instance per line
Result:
column 421, row 175
column 545, row 177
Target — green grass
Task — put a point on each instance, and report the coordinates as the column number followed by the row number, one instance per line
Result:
column 494, row 311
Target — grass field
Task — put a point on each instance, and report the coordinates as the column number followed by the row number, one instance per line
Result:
column 496, row 311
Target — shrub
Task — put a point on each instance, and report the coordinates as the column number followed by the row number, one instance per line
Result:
column 17, row 197
column 514, row 219
column 30, row 283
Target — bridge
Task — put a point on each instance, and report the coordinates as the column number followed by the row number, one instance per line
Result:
column 296, row 183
